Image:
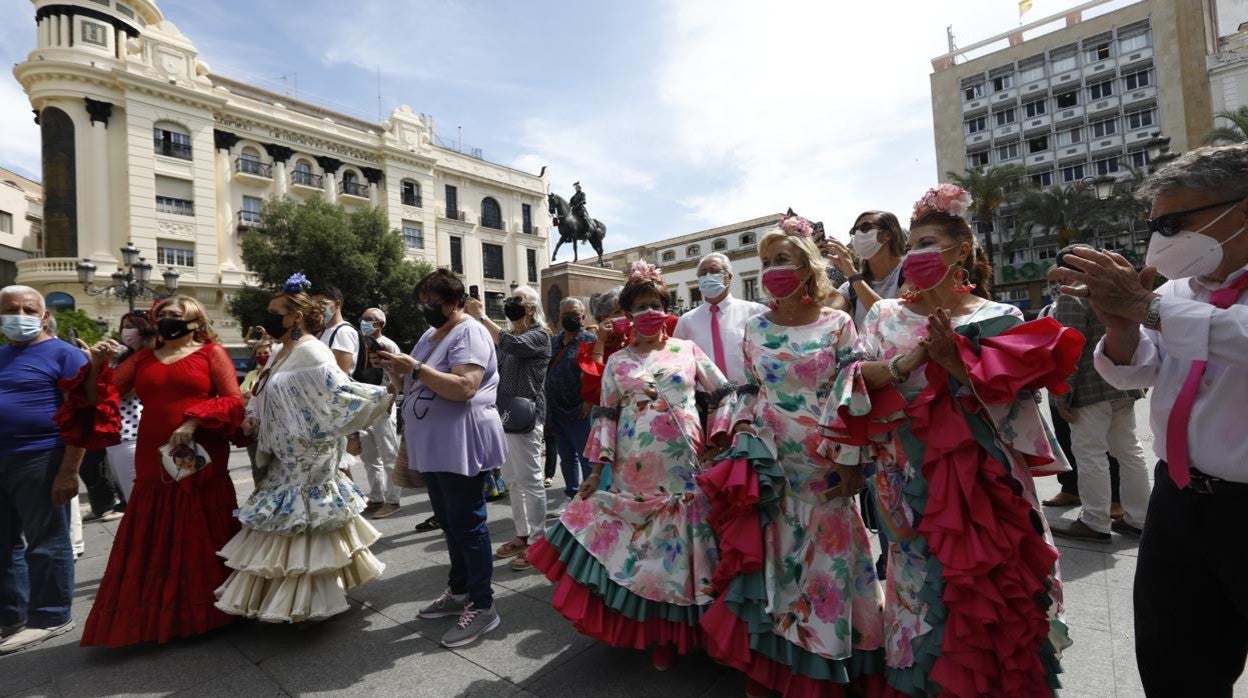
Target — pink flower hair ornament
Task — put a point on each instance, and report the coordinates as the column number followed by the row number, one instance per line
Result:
column 944, row 198
column 796, row 225
column 641, row 270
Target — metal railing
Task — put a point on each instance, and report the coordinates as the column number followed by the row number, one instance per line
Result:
column 252, row 166
column 454, row 215
column 411, row 201
column 249, row 219
column 306, row 179
column 181, row 151
column 491, row 223
column 353, row 189
column 180, row 207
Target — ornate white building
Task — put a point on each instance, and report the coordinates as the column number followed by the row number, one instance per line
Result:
column 143, row 144
column 21, row 222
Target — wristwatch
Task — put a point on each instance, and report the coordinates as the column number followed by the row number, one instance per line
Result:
column 856, row 277
column 1153, row 320
column 416, row 370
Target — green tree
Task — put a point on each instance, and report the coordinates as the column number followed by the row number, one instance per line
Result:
column 355, row 251
column 990, row 189
column 1072, row 212
column 1236, row 131
column 87, row 328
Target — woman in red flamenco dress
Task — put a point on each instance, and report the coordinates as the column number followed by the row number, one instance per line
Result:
column 163, row 568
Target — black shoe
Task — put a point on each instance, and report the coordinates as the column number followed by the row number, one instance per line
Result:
column 429, row 524
column 1081, row 531
column 1124, row 528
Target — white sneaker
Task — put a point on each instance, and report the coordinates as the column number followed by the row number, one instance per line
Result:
column 8, row 630
column 29, row 637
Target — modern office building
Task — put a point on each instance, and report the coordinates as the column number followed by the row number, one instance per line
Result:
column 1069, row 97
column 142, row 143
column 21, row 222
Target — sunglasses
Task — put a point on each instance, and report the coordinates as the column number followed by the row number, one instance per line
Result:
column 864, row 227
column 1168, row 224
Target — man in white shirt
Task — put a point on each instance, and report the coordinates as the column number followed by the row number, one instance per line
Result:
column 718, row 325
column 1189, row 342
column 338, row 334
column 379, row 443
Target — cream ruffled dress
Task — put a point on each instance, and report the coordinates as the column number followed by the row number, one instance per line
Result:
column 304, row 542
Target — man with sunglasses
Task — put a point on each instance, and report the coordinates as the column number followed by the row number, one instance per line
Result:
column 1189, row 342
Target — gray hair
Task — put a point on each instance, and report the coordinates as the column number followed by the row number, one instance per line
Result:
column 605, row 302
column 381, row 314
column 572, row 300
column 16, row 290
column 718, row 257
column 531, row 298
column 1213, row 168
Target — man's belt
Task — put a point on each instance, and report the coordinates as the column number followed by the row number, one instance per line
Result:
column 1203, row 483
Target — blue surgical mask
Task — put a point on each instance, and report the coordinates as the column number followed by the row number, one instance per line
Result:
column 328, row 317
column 711, row 285
column 21, row 328
column 367, row 328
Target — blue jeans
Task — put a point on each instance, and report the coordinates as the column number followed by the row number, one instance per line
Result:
column 36, row 576
column 459, row 503
column 570, row 438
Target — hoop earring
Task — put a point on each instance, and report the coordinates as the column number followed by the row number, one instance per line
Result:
column 961, row 287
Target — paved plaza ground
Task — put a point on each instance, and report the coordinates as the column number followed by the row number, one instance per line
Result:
column 380, row 648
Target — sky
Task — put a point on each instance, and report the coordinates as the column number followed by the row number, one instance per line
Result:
column 675, row 116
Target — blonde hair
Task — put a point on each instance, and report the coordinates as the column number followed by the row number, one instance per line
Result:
column 192, row 310
column 818, row 287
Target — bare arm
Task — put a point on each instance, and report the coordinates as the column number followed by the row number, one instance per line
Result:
column 343, row 359
column 460, row 385
column 65, row 485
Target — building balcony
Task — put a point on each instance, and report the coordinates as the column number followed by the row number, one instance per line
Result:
column 1069, row 78
column 44, row 270
column 978, row 138
column 454, row 215
column 1099, row 69
column 1075, row 113
column 356, row 190
column 491, row 224
column 1037, row 125
column 1100, row 145
column 307, row 180
column 1101, row 106
column 1039, row 160
column 1016, row 160
column 248, row 220
column 177, row 207
column 1004, row 98
column 1008, row 132
column 1140, row 97
column 1072, row 152
column 413, row 201
column 1139, row 136
column 251, row 170
column 1136, row 59
column 1034, row 88
column 529, row 229
column 169, row 149
column 975, row 106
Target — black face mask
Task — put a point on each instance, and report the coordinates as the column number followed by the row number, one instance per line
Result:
column 173, row 328
column 433, row 315
column 514, row 310
column 571, row 324
column 273, row 325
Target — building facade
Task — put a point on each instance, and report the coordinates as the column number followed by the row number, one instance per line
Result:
column 1071, row 97
column 1228, row 72
column 21, row 222
column 142, row 143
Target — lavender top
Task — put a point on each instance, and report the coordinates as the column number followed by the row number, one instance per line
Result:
column 445, row 436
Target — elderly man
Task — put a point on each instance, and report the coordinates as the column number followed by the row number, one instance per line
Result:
column 1189, row 342
column 38, row 475
column 718, row 325
column 378, row 444
column 569, row 413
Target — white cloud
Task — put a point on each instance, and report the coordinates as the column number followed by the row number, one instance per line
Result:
column 19, row 136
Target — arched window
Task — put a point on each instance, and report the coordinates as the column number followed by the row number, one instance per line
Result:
column 491, row 214
column 171, row 140
column 693, row 250
column 719, row 245
column 304, row 176
column 747, row 239
column 409, row 192
column 249, row 163
column 351, row 185
column 58, row 301
column 669, row 256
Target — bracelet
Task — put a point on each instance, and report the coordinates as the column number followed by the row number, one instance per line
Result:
column 1153, row 320
column 895, row 371
column 856, row 277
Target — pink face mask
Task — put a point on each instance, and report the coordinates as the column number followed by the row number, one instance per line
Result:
column 649, row 322
column 621, row 325
column 781, row 281
column 925, row 268
column 131, row 338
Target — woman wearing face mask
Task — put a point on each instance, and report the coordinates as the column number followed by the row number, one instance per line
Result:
column 879, row 242
column 799, row 607
column 164, row 565
column 956, row 446
column 633, row 563
column 304, row 543
column 137, row 333
column 260, row 353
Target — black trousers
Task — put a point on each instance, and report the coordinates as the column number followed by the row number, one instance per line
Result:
column 1191, row 592
column 1070, row 479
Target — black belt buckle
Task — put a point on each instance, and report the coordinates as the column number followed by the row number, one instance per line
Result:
column 1201, row 483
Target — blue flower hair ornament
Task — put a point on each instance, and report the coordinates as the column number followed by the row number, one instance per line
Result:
column 297, row 283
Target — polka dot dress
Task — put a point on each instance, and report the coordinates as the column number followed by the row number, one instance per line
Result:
column 131, row 410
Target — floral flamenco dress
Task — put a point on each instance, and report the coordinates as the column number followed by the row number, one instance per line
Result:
column 304, row 542
column 973, row 596
column 800, row 610
column 632, row 563
column 163, row 567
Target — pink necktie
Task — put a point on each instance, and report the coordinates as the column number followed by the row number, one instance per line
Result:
column 717, row 343
column 1180, row 414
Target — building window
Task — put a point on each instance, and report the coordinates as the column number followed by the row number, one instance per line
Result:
column 1064, row 61
column 172, row 143
column 1106, row 127
column 1032, row 72
column 973, row 92
column 176, row 254
column 1140, row 119
column 409, row 193
column 695, row 295
column 1038, row 145
column 492, row 261
column 747, row 239
column 1007, row 152
column 1098, row 51
column 975, row 160
column 1035, row 108
column 1136, row 42
column 719, row 245
column 1106, row 165
column 93, row 33
column 457, row 254
column 749, row 288
column 1073, row 173
column 352, row 186
column 250, row 214
column 491, row 214
column 1101, row 90
column 1139, row 159
column 669, row 256
column 530, row 258
column 976, row 125
column 1066, row 101
column 1136, row 80
column 1070, row 136
column 693, row 250
column 413, row 235
column 249, row 163
column 452, row 202
column 6, row 222
column 1042, row 179
column 179, row 207
column 526, row 219
column 303, row 175
column 1006, row 117
column 1002, row 82
column 673, row 299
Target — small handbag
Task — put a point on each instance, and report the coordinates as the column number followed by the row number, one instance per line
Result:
column 519, row 414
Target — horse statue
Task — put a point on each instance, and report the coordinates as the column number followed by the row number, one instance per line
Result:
column 573, row 228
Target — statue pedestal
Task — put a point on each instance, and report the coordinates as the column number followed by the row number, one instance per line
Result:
column 581, row 281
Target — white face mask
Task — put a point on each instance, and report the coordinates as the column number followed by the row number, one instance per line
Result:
column 867, row 243
column 1188, row 252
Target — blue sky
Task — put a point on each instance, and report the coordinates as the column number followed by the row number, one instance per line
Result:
column 676, row 116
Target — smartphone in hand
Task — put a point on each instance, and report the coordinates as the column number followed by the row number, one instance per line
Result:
column 474, row 291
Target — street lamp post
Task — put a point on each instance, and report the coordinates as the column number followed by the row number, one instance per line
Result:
column 130, row 283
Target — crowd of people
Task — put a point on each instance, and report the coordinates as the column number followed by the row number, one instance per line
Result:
column 722, row 471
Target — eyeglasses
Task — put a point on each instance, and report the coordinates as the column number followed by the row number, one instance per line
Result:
column 1168, row 224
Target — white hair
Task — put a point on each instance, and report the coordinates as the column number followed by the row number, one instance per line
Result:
column 572, row 300
column 16, row 290
column 718, row 257
column 380, row 313
column 531, row 298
